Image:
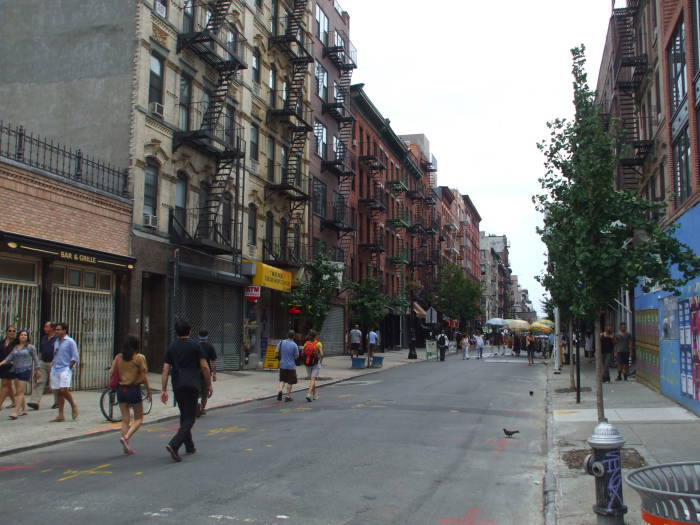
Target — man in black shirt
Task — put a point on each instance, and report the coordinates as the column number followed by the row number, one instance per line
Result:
column 210, row 353
column 46, row 350
column 189, row 364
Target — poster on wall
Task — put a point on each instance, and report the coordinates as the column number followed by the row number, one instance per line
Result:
column 670, row 326
column 689, row 328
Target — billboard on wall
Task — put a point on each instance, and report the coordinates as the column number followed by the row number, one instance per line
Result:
column 689, row 328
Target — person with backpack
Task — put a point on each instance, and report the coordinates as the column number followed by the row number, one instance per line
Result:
column 442, row 344
column 312, row 356
column 288, row 352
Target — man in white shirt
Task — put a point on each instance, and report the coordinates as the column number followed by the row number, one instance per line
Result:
column 372, row 339
column 355, row 341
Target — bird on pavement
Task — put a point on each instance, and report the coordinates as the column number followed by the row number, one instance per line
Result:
column 510, row 433
column 531, row 392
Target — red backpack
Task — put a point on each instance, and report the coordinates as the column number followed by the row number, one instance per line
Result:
column 310, row 353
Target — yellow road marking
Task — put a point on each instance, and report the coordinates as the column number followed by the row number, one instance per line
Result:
column 341, row 396
column 138, row 473
column 226, row 430
column 359, row 406
column 75, row 473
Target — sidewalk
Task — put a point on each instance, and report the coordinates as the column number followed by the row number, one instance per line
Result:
column 657, row 430
column 231, row 388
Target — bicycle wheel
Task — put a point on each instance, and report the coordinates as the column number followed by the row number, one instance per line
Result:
column 109, row 406
column 147, row 405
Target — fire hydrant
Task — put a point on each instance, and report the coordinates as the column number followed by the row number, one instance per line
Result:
column 605, row 463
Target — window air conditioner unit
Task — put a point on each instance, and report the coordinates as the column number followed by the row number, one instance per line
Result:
column 150, row 221
column 156, row 109
column 161, row 8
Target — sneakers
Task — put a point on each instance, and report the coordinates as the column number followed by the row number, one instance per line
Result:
column 173, row 453
column 288, row 399
column 33, row 406
column 125, row 445
column 279, row 396
column 309, row 399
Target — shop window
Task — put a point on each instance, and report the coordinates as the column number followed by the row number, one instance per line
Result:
column 105, row 281
column 17, row 270
column 74, row 277
column 59, row 275
column 90, row 280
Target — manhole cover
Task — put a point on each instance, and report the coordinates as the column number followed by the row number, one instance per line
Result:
column 630, row 458
column 570, row 390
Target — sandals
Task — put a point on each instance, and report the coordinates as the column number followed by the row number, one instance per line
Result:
column 13, row 416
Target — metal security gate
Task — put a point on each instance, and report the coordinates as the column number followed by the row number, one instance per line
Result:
column 333, row 331
column 90, row 319
column 19, row 307
column 217, row 308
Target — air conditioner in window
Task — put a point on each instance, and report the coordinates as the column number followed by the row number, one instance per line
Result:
column 150, row 221
column 354, row 143
column 156, row 109
column 161, row 8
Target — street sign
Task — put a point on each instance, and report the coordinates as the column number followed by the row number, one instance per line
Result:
column 252, row 291
column 431, row 315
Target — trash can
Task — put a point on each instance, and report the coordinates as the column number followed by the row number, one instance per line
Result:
column 670, row 493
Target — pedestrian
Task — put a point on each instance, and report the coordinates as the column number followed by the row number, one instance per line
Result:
column 442, row 342
column 288, row 352
column 623, row 348
column 133, row 372
column 6, row 389
column 188, row 363
column 64, row 360
column 210, row 352
column 516, row 345
column 355, row 341
column 465, row 348
column 313, row 355
column 372, row 340
column 550, row 345
column 41, row 380
column 530, row 347
column 458, row 340
column 22, row 357
column 607, row 345
column 479, row 342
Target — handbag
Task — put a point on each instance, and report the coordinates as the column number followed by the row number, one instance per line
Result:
column 114, row 379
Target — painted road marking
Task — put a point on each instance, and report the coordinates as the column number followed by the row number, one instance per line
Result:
column 89, row 472
column 501, row 444
column 470, row 518
column 226, row 430
column 9, row 468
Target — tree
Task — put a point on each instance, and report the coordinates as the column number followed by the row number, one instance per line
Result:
column 314, row 294
column 455, row 295
column 599, row 239
column 367, row 303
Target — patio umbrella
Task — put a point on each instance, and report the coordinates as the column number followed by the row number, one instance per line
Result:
column 541, row 328
column 517, row 324
column 546, row 322
column 496, row 321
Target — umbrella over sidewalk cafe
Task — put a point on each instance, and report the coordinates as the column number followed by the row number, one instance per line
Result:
column 546, row 322
column 496, row 321
column 517, row 324
column 541, row 328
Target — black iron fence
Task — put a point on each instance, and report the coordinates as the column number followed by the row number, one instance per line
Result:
column 71, row 165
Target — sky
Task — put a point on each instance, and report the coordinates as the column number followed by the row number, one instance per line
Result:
column 480, row 79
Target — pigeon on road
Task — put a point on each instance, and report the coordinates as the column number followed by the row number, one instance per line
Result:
column 510, row 433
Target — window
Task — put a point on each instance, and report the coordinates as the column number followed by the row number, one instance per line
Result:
column 657, row 95
column 74, row 277
column 254, row 139
column 284, row 232
column 681, row 166
column 252, row 224
column 188, row 16
column 273, row 85
column 19, row 271
column 150, row 187
column 161, row 8
column 105, row 281
column 676, row 60
column 90, row 280
column 270, row 159
column 319, row 197
column 321, row 135
column 255, row 66
column 155, row 85
column 259, row 4
column 269, row 229
column 230, row 125
column 321, row 25
column 181, row 200
column 284, row 155
column 321, row 81
column 338, row 149
column 185, row 102
column 226, row 217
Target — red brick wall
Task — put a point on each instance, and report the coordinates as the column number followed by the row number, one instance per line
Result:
column 39, row 206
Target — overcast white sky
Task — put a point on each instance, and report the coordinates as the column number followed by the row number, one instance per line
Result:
column 480, row 79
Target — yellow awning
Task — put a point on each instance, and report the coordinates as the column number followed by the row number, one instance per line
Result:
column 271, row 277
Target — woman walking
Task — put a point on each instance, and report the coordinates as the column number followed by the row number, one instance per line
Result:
column 22, row 358
column 5, row 372
column 132, row 370
column 530, row 346
column 313, row 353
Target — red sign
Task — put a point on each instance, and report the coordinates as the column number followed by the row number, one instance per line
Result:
column 252, row 291
column 294, row 310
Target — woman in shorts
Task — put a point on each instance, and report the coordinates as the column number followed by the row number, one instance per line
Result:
column 6, row 372
column 314, row 371
column 132, row 374
column 22, row 358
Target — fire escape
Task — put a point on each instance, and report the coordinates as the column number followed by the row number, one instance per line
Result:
column 375, row 162
column 344, row 56
column 212, row 228
column 631, row 67
column 288, row 108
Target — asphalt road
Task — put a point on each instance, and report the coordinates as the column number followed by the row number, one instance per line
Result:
column 419, row 444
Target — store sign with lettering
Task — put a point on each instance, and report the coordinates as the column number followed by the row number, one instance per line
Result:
column 78, row 257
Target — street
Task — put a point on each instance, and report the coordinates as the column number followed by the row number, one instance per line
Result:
column 416, row 444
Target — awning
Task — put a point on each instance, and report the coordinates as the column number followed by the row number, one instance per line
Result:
column 271, row 277
column 418, row 310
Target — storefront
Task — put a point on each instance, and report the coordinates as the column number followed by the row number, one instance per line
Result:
column 87, row 289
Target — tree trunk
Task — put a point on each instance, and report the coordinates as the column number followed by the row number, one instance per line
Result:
column 569, row 344
column 598, row 371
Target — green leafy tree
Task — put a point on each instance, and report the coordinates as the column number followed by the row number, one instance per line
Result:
column 455, row 295
column 367, row 303
column 599, row 239
column 314, row 293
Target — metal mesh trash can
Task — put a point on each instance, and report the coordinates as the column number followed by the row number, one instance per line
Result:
column 670, row 493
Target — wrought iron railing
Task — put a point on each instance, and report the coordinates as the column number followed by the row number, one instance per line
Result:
column 200, row 226
column 70, row 165
column 285, row 251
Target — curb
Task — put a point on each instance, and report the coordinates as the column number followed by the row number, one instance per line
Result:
column 160, row 419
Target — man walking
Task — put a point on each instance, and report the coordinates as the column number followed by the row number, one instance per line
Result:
column 372, row 340
column 210, row 353
column 479, row 341
column 41, row 380
column 189, row 363
column 355, row 341
column 442, row 344
column 289, row 353
column 623, row 347
column 64, row 360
